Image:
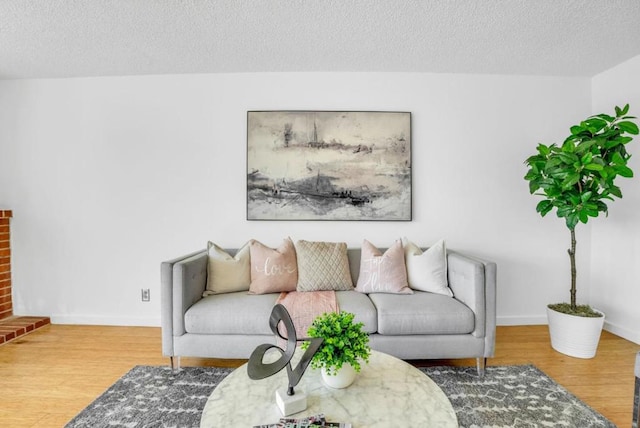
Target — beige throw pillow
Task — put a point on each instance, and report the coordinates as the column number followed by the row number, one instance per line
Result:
column 323, row 266
column 273, row 270
column 382, row 273
column 427, row 271
column 226, row 274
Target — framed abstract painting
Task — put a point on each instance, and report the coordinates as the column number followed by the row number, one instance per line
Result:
column 329, row 165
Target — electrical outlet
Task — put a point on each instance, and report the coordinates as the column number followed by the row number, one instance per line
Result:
column 146, row 295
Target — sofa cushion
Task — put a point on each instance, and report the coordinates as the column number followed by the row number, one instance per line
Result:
column 273, row 270
column 231, row 313
column 422, row 313
column 360, row 305
column 226, row 274
column 383, row 273
column 323, row 266
column 427, row 271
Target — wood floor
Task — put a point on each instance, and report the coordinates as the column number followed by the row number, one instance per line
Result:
column 50, row 375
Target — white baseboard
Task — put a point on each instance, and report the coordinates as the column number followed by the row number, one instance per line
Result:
column 105, row 320
column 516, row 320
column 625, row 333
column 155, row 322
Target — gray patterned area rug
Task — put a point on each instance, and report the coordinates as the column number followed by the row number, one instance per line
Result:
column 508, row 396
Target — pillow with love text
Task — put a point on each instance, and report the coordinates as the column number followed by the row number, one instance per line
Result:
column 273, row 270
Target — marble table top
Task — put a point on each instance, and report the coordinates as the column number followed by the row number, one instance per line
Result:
column 387, row 392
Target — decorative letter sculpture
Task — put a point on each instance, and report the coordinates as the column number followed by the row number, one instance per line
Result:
column 257, row 369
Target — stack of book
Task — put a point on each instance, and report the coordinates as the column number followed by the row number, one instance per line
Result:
column 315, row 421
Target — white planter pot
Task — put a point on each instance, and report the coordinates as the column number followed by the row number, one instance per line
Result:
column 345, row 377
column 574, row 336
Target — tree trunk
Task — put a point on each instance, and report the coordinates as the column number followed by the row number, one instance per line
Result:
column 572, row 257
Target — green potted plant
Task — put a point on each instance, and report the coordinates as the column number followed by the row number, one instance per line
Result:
column 344, row 348
column 577, row 179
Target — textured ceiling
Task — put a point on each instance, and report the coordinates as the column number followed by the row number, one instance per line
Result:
column 68, row 38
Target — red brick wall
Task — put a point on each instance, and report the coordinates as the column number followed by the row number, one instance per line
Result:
column 6, row 307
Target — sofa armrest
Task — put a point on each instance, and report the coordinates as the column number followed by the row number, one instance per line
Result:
column 473, row 282
column 183, row 281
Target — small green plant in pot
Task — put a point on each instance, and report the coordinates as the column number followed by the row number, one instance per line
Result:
column 577, row 179
column 345, row 346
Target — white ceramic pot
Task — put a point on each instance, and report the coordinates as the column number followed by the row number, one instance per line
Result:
column 574, row 336
column 345, row 377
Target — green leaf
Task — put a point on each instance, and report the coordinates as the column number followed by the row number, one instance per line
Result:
column 568, row 147
column 625, row 110
column 606, row 117
column 609, row 144
column 531, row 160
column 583, row 146
column 583, row 216
column 544, row 150
column 568, row 158
column 619, row 112
column 572, row 221
column 617, row 159
column 624, row 140
column 615, row 191
column 574, row 198
column 553, row 162
column 571, row 180
column 564, row 210
column 576, row 129
column 595, row 124
column 558, row 177
column 547, row 183
column 628, row 127
column 586, row 158
column 586, row 196
column 602, row 206
column 534, row 185
column 544, row 207
column 594, row 167
column 624, row 171
column 531, row 175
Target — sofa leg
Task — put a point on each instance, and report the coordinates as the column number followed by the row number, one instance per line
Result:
column 636, row 405
column 481, row 364
column 175, row 364
column 636, row 396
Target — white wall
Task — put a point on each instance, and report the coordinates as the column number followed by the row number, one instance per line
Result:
column 107, row 177
column 615, row 255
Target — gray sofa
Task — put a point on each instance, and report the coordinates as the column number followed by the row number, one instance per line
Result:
column 409, row 326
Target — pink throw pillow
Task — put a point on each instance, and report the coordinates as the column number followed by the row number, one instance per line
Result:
column 273, row 270
column 383, row 273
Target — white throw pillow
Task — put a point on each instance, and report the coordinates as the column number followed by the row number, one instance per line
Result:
column 226, row 274
column 427, row 271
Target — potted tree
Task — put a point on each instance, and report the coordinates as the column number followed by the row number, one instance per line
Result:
column 577, row 179
column 344, row 348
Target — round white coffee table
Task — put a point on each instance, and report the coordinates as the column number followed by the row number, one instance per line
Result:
column 387, row 392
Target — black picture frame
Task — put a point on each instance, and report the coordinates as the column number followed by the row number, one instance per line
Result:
column 329, row 165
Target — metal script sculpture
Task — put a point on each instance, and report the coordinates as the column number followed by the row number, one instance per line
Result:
column 257, row 369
